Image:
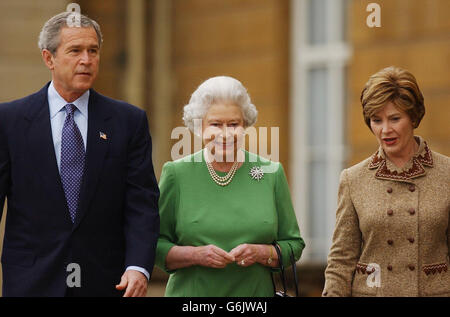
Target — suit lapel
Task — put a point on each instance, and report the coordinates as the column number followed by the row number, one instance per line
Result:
column 96, row 150
column 40, row 144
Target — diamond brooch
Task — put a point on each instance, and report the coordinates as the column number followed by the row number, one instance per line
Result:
column 256, row 173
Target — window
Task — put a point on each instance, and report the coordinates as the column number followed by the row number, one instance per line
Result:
column 319, row 58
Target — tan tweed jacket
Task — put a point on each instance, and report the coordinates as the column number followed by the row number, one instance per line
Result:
column 392, row 227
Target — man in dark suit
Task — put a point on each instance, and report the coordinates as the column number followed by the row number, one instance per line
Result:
column 76, row 169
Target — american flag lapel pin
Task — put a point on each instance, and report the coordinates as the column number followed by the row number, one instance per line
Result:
column 103, row 136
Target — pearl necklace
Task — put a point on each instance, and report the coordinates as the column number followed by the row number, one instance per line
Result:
column 222, row 180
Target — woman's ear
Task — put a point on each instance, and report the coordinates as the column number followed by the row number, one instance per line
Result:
column 47, row 57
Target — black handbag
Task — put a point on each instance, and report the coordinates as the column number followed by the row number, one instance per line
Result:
column 283, row 292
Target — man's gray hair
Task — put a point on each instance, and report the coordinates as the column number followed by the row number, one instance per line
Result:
column 219, row 89
column 49, row 36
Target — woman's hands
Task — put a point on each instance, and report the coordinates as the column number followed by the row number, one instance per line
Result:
column 212, row 256
column 244, row 255
column 249, row 254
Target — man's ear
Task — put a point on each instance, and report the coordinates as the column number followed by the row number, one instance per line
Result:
column 47, row 57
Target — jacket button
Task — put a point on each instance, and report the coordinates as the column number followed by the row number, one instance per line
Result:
column 390, row 242
column 390, row 212
column 389, row 190
column 411, row 240
column 412, row 211
column 412, row 188
column 411, row 267
column 389, row 267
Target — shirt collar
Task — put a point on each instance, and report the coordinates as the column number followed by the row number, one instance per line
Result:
column 413, row 169
column 56, row 102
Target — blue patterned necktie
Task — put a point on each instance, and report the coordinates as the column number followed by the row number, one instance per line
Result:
column 72, row 161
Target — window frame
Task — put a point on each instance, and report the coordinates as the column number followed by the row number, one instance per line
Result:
column 334, row 56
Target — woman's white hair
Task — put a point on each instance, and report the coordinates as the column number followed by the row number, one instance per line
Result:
column 219, row 89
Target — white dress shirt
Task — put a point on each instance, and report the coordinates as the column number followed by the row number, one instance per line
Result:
column 58, row 116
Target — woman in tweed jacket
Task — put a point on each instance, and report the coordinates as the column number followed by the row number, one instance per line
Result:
column 392, row 233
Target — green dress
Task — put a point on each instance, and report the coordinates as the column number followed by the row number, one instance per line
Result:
column 195, row 211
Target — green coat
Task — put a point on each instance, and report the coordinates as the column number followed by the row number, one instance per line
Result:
column 195, row 211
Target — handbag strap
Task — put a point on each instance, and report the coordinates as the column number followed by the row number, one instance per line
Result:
column 281, row 266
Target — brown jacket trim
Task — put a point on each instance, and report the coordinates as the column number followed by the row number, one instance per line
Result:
column 415, row 171
column 433, row 268
column 424, row 157
column 376, row 160
column 362, row 268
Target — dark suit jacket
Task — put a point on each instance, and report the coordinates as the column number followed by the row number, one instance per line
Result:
column 117, row 223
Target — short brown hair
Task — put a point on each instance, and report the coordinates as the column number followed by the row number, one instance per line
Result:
column 396, row 85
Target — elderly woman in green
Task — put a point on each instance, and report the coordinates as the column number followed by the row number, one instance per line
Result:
column 222, row 208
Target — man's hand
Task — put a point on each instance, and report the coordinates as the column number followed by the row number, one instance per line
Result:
column 135, row 283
